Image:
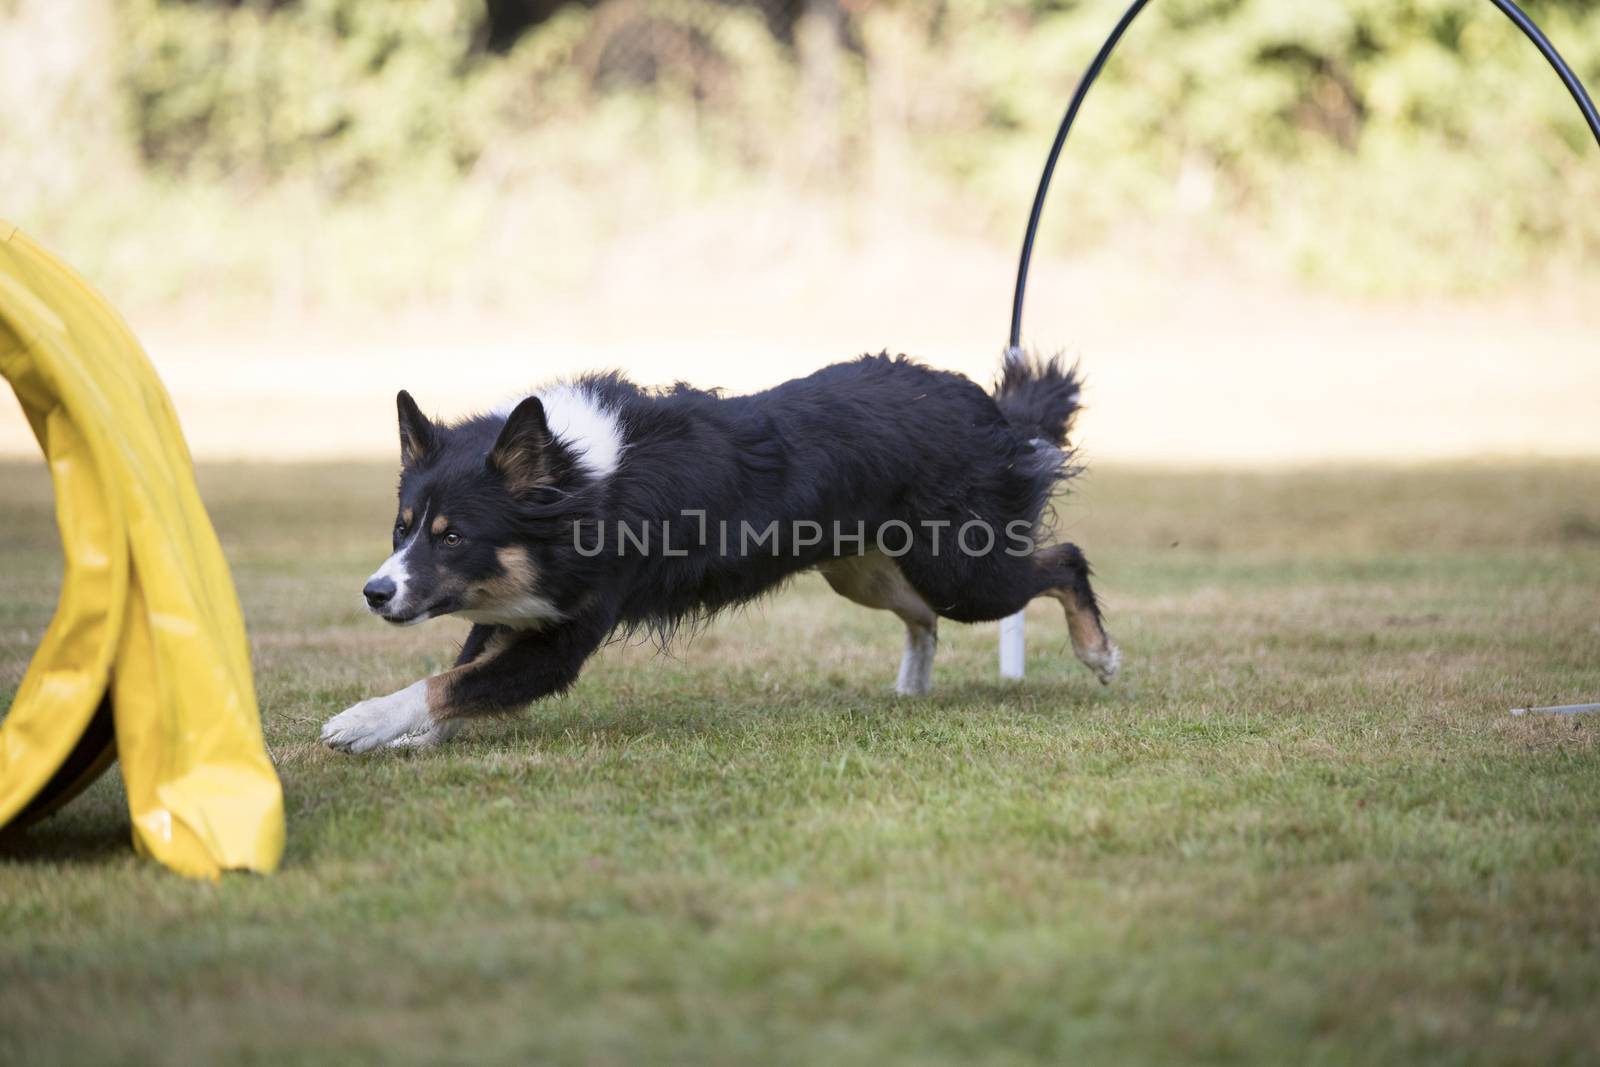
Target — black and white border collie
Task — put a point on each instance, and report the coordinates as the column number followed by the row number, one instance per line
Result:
column 596, row 507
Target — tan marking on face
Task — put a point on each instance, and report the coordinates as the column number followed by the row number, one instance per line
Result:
column 519, row 580
column 439, row 525
column 406, row 516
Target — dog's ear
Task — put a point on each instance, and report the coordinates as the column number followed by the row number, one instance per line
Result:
column 522, row 455
column 418, row 437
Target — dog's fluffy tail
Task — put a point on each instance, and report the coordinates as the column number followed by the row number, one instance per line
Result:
column 1038, row 397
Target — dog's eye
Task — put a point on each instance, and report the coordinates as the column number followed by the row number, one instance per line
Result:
column 452, row 538
column 399, row 530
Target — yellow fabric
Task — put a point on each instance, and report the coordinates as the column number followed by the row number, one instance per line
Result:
column 148, row 608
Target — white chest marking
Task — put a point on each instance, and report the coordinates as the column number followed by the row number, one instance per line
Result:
column 526, row 612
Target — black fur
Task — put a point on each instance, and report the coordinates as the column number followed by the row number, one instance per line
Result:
column 1039, row 397
column 870, row 442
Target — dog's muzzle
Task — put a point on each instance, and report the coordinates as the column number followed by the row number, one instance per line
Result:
column 379, row 591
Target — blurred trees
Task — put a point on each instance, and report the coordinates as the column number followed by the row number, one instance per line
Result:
column 59, row 91
column 1430, row 123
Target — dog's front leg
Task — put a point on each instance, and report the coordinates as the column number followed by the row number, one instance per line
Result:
column 513, row 669
column 380, row 720
column 442, row 731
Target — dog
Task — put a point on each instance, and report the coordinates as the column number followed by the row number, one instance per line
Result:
column 596, row 507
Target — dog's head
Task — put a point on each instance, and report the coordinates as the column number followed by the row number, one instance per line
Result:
column 463, row 539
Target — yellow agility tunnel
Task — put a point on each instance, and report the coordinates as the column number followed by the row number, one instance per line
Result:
column 146, row 660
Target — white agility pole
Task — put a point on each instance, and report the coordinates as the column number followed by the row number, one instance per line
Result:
column 1011, row 646
column 1558, row 709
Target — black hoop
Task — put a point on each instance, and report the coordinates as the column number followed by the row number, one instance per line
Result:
column 1511, row 10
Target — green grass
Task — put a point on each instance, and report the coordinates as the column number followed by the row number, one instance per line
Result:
column 1303, row 829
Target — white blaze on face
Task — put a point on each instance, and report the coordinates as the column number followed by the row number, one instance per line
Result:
column 397, row 569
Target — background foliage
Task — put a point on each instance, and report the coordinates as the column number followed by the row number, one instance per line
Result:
column 1370, row 144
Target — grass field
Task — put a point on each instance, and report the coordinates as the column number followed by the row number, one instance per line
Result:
column 1303, row 828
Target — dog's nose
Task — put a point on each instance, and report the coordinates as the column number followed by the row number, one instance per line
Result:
column 379, row 592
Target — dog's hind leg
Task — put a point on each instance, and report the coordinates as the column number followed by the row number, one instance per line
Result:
column 874, row 580
column 1066, row 574
column 978, row 588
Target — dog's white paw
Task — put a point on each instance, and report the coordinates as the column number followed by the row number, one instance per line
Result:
column 916, row 665
column 380, row 720
column 432, row 737
column 1105, row 665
